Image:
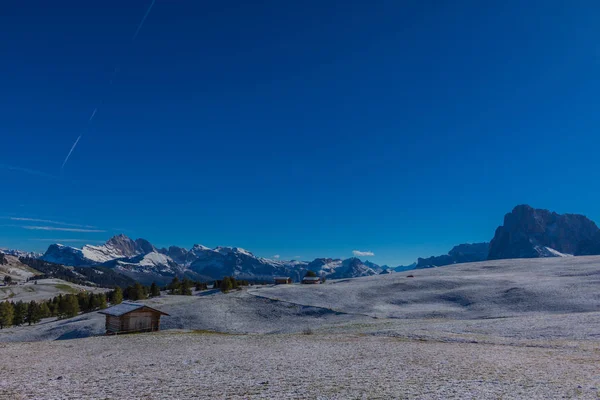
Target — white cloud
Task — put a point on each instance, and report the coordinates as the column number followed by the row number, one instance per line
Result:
column 47, row 221
column 68, row 240
column 54, row 228
column 276, row 256
column 358, row 253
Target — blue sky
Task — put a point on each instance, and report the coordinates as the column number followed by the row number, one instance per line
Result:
column 295, row 128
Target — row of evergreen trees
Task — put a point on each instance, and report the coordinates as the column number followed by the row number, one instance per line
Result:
column 61, row 306
column 184, row 286
column 229, row 283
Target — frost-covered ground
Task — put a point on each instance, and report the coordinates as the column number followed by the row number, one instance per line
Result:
column 491, row 289
column 501, row 329
column 183, row 365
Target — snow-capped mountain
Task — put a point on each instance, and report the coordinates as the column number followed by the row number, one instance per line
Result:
column 353, row 268
column 20, row 253
column 140, row 260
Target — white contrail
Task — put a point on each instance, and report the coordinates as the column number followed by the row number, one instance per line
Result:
column 143, row 19
column 110, row 82
column 77, row 141
column 69, row 155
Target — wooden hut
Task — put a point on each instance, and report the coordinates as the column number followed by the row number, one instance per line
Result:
column 311, row 280
column 283, row 280
column 131, row 317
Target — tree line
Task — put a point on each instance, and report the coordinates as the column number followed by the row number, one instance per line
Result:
column 61, row 306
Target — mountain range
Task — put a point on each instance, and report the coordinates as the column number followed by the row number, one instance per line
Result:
column 142, row 261
column 526, row 233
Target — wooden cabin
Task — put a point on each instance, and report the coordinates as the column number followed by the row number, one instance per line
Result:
column 282, row 280
column 131, row 317
column 311, row 280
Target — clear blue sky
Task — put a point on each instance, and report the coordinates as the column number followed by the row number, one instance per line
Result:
column 309, row 128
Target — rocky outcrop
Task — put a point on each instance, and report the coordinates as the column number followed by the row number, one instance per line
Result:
column 529, row 233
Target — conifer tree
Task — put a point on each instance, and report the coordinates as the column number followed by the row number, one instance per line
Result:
column 117, row 296
column 72, row 306
column 33, row 313
column 154, row 290
column 139, row 291
column 175, row 286
column 102, row 301
column 84, row 301
column 226, row 284
column 20, row 313
column 61, row 310
column 6, row 314
column 186, row 287
column 45, row 310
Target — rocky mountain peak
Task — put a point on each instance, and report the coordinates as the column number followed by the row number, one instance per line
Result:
column 528, row 232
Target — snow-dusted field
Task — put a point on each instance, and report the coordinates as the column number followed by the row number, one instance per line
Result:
column 501, row 329
column 490, row 289
column 183, row 365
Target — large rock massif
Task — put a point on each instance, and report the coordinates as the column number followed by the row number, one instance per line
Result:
column 528, row 233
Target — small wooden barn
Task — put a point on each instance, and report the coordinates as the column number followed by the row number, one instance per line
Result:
column 283, row 280
column 131, row 317
column 311, row 280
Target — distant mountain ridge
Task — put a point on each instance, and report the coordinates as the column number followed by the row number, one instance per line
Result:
column 526, row 233
column 140, row 260
column 462, row 253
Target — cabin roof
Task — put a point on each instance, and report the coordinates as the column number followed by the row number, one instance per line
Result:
column 281, row 277
column 311, row 278
column 126, row 308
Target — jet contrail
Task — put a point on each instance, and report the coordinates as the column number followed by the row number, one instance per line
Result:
column 116, row 70
column 69, row 155
column 143, row 19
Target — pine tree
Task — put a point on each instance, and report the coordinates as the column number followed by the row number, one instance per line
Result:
column 20, row 313
column 139, row 291
column 175, row 286
column 226, row 284
column 55, row 305
column 186, row 287
column 45, row 311
column 7, row 279
column 6, row 314
column 102, row 301
column 72, row 306
column 33, row 313
column 84, row 303
column 117, row 296
column 154, row 290
column 311, row 274
column 61, row 309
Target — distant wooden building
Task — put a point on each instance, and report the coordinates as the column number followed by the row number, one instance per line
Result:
column 282, row 280
column 311, row 280
column 131, row 317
